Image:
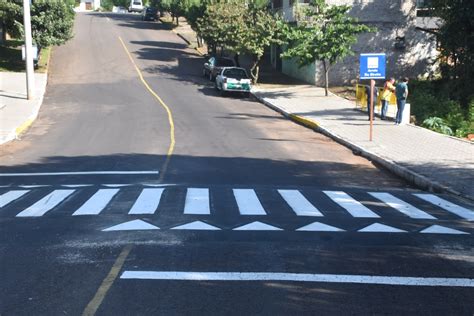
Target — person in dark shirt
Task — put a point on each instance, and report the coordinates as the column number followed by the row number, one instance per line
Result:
column 401, row 92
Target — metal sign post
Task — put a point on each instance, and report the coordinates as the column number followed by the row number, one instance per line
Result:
column 372, row 66
column 30, row 79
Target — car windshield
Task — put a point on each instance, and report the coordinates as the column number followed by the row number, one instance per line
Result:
column 224, row 62
column 235, row 73
column 137, row 3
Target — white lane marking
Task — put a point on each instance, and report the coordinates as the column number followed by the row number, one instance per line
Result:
column 248, row 202
column 131, row 225
column 46, row 204
column 197, row 225
column 448, row 206
column 97, row 202
column 11, row 196
column 197, row 202
column 437, row 229
column 147, row 201
column 76, row 185
column 257, row 226
column 355, row 208
column 33, row 186
column 319, row 227
column 297, row 277
column 380, row 228
column 401, row 206
column 300, row 205
column 111, row 185
column 72, row 173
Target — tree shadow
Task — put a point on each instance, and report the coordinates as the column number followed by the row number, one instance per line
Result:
column 205, row 170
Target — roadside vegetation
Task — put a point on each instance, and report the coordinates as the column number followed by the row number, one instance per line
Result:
column 51, row 24
column 446, row 105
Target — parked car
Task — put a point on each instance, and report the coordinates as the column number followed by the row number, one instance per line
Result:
column 149, row 14
column 233, row 79
column 135, row 6
column 214, row 66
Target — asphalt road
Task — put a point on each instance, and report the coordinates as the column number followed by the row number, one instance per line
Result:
column 209, row 184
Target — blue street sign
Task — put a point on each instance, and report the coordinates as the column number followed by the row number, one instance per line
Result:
column 372, row 66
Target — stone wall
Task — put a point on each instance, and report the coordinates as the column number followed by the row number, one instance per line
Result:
column 415, row 57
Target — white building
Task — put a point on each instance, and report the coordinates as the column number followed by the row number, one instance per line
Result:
column 89, row 5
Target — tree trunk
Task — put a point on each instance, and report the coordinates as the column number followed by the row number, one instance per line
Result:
column 326, row 77
column 236, row 59
column 254, row 71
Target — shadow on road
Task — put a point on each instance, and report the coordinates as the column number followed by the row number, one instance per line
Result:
column 210, row 170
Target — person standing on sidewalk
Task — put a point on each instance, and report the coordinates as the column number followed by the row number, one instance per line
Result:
column 401, row 92
column 388, row 89
column 367, row 92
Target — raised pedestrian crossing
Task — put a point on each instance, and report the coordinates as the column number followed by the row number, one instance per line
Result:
column 143, row 200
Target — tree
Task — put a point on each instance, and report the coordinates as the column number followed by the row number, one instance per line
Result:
column 260, row 29
column 220, row 25
column 326, row 34
column 51, row 21
column 456, row 39
column 241, row 27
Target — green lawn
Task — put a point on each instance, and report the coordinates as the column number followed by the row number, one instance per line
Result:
column 10, row 57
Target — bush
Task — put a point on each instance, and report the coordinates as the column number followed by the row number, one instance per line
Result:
column 434, row 104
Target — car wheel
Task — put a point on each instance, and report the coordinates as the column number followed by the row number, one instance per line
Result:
column 223, row 92
column 215, row 86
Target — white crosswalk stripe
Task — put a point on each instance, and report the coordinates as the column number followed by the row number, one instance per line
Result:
column 46, row 204
column 11, row 196
column 401, row 206
column 97, row 202
column 299, row 204
column 197, row 202
column 448, row 206
column 202, row 201
column 147, row 202
column 248, row 202
column 355, row 208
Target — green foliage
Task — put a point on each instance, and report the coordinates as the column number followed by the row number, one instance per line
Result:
column 51, row 20
column 456, row 45
column 325, row 33
column 432, row 99
column 438, row 125
column 244, row 28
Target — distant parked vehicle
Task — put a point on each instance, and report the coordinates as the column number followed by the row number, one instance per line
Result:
column 214, row 66
column 135, row 6
column 233, row 79
column 149, row 14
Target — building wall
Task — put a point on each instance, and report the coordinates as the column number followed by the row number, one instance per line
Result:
column 392, row 18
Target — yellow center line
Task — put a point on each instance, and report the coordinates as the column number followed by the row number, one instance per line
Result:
column 94, row 304
column 163, row 104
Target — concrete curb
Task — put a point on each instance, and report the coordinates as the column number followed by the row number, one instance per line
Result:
column 23, row 127
column 189, row 43
column 403, row 172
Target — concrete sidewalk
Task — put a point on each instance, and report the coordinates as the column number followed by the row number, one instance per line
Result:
column 16, row 112
column 427, row 159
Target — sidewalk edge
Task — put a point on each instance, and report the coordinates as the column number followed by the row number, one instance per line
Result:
column 23, row 127
column 403, row 172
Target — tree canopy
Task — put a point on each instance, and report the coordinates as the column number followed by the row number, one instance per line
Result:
column 51, row 20
column 325, row 33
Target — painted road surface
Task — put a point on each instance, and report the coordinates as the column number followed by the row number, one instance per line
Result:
column 140, row 191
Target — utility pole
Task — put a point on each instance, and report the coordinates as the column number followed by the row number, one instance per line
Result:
column 30, row 72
